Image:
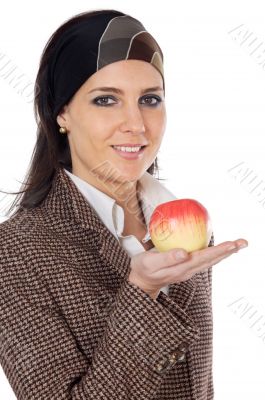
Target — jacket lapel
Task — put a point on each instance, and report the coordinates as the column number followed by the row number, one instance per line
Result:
column 74, row 217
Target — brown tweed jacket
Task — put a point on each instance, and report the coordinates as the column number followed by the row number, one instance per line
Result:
column 72, row 327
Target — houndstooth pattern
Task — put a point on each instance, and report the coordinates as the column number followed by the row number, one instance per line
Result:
column 72, row 327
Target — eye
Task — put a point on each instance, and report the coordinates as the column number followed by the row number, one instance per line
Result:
column 152, row 104
column 101, row 101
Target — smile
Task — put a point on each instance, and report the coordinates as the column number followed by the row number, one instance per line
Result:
column 129, row 153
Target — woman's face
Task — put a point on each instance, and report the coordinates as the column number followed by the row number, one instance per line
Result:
column 131, row 114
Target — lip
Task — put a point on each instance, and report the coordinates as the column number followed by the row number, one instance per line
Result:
column 130, row 156
column 130, row 144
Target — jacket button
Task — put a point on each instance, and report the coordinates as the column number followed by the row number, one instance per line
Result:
column 179, row 354
column 161, row 366
column 176, row 356
column 181, row 358
column 172, row 358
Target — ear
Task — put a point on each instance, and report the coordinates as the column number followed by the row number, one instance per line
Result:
column 62, row 118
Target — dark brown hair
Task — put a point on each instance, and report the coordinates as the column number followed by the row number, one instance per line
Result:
column 51, row 150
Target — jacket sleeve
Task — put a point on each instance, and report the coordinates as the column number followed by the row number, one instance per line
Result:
column 41, row 357
column 210, row 389
column 210, row 270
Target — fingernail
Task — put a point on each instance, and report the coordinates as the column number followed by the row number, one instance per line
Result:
column 243, row 245
column 181, row 256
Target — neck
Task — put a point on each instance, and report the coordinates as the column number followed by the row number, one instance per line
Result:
column 125, row 193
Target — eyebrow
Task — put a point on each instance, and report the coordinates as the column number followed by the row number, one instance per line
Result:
column 119, row 91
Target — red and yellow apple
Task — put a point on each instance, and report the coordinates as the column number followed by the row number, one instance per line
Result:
column 182, row 223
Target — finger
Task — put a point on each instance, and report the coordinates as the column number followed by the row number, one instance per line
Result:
column 166, row 259
column 202, row 259
column 204, row 267
column 194, row 259
column 208, row 255
column 241, row 243
column 184, row 269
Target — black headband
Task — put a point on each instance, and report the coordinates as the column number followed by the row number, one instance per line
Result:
column 91, row 44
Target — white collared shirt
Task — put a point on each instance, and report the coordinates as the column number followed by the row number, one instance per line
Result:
column 151, row 193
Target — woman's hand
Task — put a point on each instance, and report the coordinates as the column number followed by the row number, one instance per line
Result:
column 152, row 270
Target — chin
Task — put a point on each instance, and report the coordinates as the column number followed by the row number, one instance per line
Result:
column 131, row 174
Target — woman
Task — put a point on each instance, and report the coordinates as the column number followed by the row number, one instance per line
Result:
column 89, row 309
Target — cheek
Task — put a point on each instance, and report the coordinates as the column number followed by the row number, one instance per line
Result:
column 157, row 128
column 98, row 125
column 157, row 120
column 90, row 131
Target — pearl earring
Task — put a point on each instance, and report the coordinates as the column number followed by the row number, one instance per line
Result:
column 62, row 130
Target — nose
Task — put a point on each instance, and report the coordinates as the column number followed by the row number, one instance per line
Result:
column 132, row 119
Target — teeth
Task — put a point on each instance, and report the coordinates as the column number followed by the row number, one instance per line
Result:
column 128, row 149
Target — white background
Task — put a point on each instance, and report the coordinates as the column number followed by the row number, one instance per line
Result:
column 215, row 120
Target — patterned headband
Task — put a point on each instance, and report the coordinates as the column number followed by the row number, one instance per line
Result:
column 89, row 45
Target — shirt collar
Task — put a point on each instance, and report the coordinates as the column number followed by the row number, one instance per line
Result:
column 151, row 193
